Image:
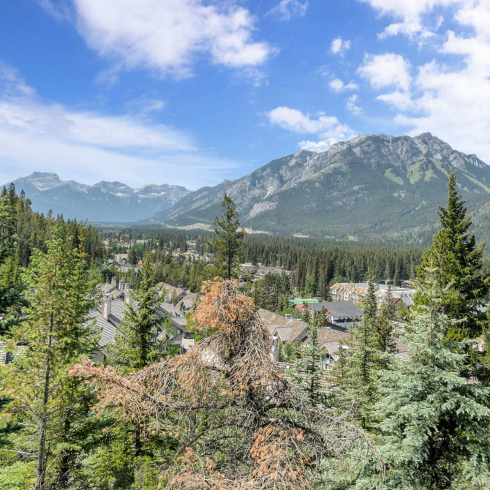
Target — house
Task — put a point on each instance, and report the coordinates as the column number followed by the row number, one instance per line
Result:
column 111, row 309
column 176, row 316
column 404, row 302
column 109, row 313
column 341, row 313
column 329, row 339
column 282, row 329
column 121, row 258
column 180, row 291
column 190, row 301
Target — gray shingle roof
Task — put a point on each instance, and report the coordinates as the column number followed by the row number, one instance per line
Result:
column 339, row 308
column 331, row 334
column 288, row 329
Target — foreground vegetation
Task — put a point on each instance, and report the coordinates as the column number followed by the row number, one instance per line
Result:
column 222, row 416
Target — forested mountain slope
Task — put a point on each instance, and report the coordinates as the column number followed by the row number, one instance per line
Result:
column 370, row 187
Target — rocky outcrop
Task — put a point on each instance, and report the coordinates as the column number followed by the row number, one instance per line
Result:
column 373, row 176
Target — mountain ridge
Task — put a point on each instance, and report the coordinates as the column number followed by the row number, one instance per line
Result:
column 370, row 186
column 101, row 202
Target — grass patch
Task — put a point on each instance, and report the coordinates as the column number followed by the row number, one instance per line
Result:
column 414, row 172
column 483, row 186
column 429, row 174
column 390, row 175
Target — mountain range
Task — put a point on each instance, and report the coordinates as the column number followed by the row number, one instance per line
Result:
column 373, row 187
column 102, row 202
column 370, row 187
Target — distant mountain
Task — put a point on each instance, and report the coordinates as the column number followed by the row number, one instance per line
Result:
column 370, row 187
column 192, row 201
column 102, row 202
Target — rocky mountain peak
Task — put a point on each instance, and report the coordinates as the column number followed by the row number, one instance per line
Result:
column 42, row 180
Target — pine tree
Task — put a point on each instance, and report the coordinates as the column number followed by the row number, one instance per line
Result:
column 54, row 334
column 433, row 422
column 227, row 241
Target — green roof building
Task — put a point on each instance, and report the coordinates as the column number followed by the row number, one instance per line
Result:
column 300, row 301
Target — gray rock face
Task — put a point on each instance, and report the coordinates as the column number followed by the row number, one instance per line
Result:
column 104, row 201
column 368, row 176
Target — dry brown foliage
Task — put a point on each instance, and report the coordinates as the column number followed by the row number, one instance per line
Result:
column 241, row 424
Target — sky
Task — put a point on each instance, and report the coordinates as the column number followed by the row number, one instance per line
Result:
column 190, row 92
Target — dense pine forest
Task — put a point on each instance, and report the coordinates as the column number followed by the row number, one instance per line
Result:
column 223, row 416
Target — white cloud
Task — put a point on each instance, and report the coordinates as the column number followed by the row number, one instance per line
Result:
column 287, row 9
column 295, row 121
column 412, row 15
column 90, row 146
column 399, row 100
column 450, row 95
column 352, row 107
column 338, row 46
column 145, row 105
column 338, row 86
column 386, row 69
column 317, row 146
column 167, row 36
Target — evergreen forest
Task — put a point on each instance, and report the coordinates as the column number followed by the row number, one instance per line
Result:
column 223, row 415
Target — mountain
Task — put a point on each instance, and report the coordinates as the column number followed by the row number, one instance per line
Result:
column 191, row 201
column 370, row 187
column 102, row 202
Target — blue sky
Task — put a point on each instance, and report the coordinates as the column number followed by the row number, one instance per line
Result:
column 191, row 92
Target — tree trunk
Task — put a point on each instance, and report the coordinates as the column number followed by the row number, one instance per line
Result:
column 42, row 452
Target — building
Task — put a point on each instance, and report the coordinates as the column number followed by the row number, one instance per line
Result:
column 254, row 272
column 301, row 301
column 355, row 292
column 340, row 313
column 111, row 309
column 180, row 291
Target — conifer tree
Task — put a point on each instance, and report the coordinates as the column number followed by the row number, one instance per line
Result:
column 458, row 261
column 384, row 333
column 360, row 373
column 227, row 241
column 433, row 422
column 7, row 428
column 135, row 345
column 308, row 374
column 54, row 334
column 10, row 284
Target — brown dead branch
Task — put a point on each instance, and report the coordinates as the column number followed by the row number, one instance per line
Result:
column 243, row 424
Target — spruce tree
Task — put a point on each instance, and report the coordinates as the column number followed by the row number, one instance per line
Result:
column 458, row 261
column 433, row 423
column 135, row 345
column 10, row 284
column 308, row 374
column 384, row 340
column 54, row 335
column 359, row 380
column 227, row 241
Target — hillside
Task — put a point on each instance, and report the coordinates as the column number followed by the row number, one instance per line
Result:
column 370, row 187
column 102, row 202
